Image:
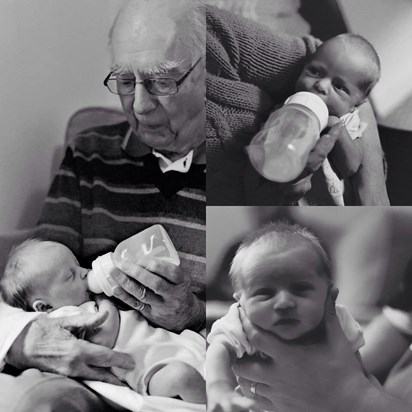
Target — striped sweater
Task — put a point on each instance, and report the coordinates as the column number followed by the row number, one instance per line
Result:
column 102, row 195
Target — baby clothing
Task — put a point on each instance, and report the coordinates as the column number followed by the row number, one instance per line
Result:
column 229, row 330
column 335, row 185
column 150, row 347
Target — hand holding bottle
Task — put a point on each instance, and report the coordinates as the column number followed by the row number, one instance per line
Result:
column 261, row 191
column 164, row 289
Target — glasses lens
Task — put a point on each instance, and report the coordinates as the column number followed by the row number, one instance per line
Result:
column 161, row 87
column 124, row 86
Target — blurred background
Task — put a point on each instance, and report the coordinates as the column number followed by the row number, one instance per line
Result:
column 370, row 249
column 53, row 62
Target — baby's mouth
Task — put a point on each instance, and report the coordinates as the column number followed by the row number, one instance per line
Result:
column 286, row 322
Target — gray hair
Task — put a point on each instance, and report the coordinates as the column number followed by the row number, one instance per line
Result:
column 279, row 235
column 189, row 16
column 16, row 282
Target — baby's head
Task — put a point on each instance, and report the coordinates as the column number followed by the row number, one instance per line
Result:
column 43, row 276
column 282, row 275
column 342, row 73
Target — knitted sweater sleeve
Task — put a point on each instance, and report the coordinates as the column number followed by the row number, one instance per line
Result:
column 60, row 219
column 239, row 49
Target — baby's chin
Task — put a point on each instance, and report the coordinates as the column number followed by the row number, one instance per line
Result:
column 299, row 332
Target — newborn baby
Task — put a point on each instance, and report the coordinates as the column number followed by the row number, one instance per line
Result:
column 281, row 275
column 45, row 276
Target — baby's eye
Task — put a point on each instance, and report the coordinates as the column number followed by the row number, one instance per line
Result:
column 71, row 274
column 313, row 71
column 264, row 292
column 301, row 288
column 341, row 88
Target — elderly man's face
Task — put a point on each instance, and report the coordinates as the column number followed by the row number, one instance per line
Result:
column 173, row 124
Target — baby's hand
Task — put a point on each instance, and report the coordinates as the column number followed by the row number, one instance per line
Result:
column 106, row 334
column 332, row 120
column 219, row 399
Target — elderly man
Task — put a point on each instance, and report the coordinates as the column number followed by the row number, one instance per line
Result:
column 114, row 182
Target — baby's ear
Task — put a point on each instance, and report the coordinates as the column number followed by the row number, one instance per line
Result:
column 236, row 295
column 41, row 305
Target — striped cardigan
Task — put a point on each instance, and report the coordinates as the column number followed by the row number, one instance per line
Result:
column 102, row 195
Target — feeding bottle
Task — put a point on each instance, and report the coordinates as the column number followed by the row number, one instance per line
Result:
column 153, row 242
column 279, row 152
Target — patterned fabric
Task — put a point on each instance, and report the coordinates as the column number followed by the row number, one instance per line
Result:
column 102, row 195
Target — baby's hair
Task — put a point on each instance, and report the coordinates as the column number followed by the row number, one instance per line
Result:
column 279, row 235
column 16, row 282
column 356, row 42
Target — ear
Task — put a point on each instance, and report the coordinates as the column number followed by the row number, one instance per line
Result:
column 236, row 295
column 41, row 305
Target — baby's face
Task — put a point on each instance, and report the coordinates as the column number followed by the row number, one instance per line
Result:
column 334, row 76
column 60, row 281
column 284, row 293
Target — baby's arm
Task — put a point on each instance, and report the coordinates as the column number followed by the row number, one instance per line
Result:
column 220, row 382
column 346, row 155
column 107, row 333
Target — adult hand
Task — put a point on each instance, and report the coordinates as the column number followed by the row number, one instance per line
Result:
column 161, row 292
column 327, row 376
column 260, row 191
column 50, row 345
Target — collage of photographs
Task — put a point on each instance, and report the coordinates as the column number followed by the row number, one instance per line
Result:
column 206, row 206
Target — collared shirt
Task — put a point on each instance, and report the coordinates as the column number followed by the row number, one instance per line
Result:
column 137, row 148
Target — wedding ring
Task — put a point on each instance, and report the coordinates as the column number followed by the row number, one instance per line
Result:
column 140, row 307
column 144, row 291
column 253, row 388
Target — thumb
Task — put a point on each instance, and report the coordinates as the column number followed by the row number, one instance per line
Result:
column 85, row 321
column 334, row 331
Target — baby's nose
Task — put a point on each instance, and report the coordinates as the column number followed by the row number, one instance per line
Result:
column 83, row 273
column 323, row 85
column 283, row 300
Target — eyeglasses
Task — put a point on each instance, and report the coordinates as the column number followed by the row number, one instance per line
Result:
column 162, row 86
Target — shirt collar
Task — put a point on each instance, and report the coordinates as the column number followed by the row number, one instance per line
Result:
column 137, row 148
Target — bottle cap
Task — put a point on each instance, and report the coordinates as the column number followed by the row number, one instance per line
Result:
column 99, row 279
column 314, row 103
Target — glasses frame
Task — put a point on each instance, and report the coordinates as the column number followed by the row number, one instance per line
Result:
column 146, row 82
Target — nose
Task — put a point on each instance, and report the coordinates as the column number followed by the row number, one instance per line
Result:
column 283, row 300
column 323, row 85
column 144, row 102
column 83, row 273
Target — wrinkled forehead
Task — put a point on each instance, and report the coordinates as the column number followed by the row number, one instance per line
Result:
column 148, row 38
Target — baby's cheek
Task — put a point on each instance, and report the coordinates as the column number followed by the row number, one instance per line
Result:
column 259, row 314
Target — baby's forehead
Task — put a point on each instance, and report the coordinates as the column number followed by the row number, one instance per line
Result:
column 268, row 253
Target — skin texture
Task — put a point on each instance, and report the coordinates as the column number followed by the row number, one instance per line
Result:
column 335, row 76
column 167, row 301
column 51, row 346
column 284, row 293
column 174, row 124
column 333, row 379
column 59, row 279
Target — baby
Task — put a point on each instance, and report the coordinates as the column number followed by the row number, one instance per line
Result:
column 281, row 275
column 45, row 276
column 342, row 73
